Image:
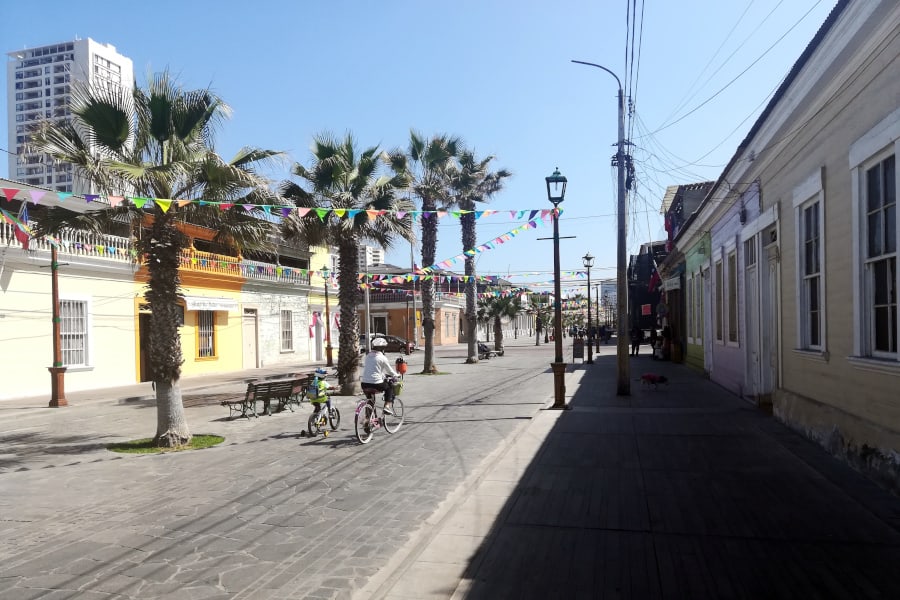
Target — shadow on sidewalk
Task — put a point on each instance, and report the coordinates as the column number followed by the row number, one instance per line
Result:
column 683, row 491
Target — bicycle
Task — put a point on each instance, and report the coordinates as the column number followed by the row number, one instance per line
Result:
column 323, row 417
column 368, row 418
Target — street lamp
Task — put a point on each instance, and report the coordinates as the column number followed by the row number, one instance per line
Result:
column 556, row 193
column 623, row 385
column 328, row 359
column 588, row 261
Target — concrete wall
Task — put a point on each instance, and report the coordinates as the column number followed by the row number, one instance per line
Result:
column 26, row 329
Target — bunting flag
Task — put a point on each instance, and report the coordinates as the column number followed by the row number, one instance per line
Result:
column 321, row 212
column 22, row 233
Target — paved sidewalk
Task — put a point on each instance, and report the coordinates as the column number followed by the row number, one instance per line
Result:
column 680, row 491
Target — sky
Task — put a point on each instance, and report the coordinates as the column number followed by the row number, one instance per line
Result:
column 497, row 73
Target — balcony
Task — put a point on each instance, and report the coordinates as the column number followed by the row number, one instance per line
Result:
column 119, row 249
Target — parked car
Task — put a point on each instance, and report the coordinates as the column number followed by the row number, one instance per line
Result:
column 394, row 343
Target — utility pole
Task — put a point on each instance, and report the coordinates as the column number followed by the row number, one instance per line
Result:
column 58, row 370
column 623, row 367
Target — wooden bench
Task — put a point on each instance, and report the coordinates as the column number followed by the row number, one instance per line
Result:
column 286, row 392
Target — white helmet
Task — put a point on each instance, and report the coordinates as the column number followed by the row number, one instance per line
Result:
column 379, row 342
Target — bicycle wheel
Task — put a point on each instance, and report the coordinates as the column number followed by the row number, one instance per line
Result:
column 364, row 426
column 334, row 419
column 313, row 424
column 393, row 421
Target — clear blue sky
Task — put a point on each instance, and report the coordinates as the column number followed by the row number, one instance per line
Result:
column 496, row 73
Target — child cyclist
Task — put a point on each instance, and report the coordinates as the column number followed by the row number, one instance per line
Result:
column 317, row 392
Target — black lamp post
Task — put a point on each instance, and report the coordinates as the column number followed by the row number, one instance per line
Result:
column 556, row 193
column 328, row 358
column 588, row 261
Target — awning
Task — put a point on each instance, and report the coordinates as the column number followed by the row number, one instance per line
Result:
column 207, row 303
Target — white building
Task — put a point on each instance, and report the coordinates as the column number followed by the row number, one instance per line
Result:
column 39, row 84
column 370, row 255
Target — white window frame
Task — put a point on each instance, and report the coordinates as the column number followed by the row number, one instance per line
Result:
column 287, row 331
column 87, row 337
column 806, row 195
column 873, row 148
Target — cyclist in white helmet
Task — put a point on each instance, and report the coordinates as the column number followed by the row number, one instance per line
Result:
column 378, row 373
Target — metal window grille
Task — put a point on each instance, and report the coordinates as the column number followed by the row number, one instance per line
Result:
column 287, row 330
column 206, row 332
column 73, row 332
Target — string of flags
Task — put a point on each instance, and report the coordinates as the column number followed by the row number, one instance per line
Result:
column 427, row 273
column 35, row 196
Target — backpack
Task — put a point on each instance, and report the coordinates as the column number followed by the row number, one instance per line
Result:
column 317, row 390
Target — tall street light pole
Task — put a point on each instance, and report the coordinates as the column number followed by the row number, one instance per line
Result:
column 556, row 193
column 329, row 362
column 623, row 385
column 588, row 261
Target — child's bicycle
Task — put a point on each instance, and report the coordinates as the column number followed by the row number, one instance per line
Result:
column 321, row 418
column 369, row 418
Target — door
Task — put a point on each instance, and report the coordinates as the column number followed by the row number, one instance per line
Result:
column 753, row 319
column 249, row 327
column 318, row 336
column 144, row 345
column 379, row 324
column 769, row 330
column 708, row 333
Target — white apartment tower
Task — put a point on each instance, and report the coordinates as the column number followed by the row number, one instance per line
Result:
column 370, row 255
column 39, row 87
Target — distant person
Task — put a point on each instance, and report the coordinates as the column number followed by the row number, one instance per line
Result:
column 637, row 336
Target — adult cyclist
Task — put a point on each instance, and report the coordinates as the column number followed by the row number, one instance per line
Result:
column 378, row 373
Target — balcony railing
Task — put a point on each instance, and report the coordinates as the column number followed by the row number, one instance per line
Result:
column 117, row 248
column 260, row 271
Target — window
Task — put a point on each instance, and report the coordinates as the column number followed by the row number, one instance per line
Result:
column 872, row 160
column 206, row 333
column 73, row 332
column 881, row 255
column 810, row 296
column 719, row 299
column 287, row 331
column 732, row 298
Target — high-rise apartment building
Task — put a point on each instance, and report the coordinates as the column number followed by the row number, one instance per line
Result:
column 370, row 255
column 39, row 84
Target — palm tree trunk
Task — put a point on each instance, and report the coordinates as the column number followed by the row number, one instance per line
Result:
column 467, row 223
column 348, row 300
column 163, row 250
column 429, row 248
column 498, row 334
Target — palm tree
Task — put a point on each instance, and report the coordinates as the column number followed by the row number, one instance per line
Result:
column 158, row 143
column 542, row 310
column 343, row 178
column 472, row 182
column 494, row 310
column 425, row 164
